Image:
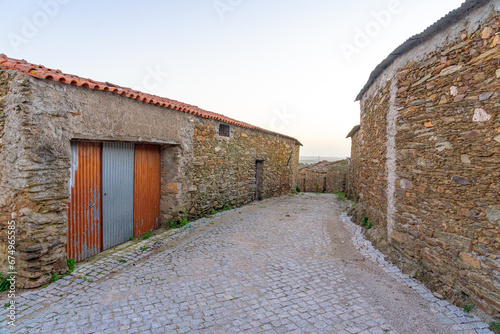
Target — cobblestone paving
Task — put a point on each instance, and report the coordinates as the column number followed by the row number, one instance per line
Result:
column 265, row 268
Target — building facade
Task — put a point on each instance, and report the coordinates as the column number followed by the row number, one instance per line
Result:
column 425, row 162
column 324, row 177
column 86, row 165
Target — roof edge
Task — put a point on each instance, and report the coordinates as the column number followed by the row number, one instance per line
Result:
column 44, row 73
column 418, row 39
column 355, row 129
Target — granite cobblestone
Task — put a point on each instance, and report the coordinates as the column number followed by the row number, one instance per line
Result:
column 264, row 268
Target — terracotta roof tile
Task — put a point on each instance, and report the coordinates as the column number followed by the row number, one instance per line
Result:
column 41, row 72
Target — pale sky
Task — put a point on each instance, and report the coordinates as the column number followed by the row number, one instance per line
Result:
column 292, row 66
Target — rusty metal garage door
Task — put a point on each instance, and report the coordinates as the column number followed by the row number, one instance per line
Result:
column 84, row 211
column 118, row 193
column 147, row 187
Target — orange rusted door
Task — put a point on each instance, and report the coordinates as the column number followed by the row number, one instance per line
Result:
column 146, row 188
column 84, row 212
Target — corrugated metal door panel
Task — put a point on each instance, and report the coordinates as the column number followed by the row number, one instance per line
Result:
column 147, row 188
column 118, row 193
column 84, row 211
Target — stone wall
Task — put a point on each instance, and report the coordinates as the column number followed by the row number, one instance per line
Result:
column 353, row 177
column 224, row 167
column 327, row 177
column 429, row 161
column 8, row 196
column 40, row 118
column 372, row 182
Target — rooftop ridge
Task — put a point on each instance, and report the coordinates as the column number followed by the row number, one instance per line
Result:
column 42, row 72
column 418, row 39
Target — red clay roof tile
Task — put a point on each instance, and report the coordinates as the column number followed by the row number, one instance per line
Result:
column 41, row 72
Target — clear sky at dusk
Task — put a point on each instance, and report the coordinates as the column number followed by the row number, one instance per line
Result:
column 292, row 66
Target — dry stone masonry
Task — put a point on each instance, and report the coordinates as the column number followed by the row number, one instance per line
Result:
column 324, row 177
column 224, row 167
column 425, row 163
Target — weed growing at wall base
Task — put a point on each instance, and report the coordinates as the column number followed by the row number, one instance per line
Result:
column 366, row 223
column 340, row 196
column 495, row 327
column 468, row 307
column 145, row 236
column 71, row 265
column 177, row 224
column 4, row 283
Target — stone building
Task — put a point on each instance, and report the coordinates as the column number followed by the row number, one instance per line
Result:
column 323, row 177
column 86, row 165
column 353, row 170
column 425, row 162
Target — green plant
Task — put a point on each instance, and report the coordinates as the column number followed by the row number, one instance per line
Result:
column 227, row 207
column 183, row 222
column 366, row 223
column 143, row 248
column 340, row 196
column 54, row 278
column 495, row 327
column 6, row 304
column 213, row 212
column 145, row 236
column 468, row 307
column 4, row 283
column 297, row 189
column 131, row 238
column 122, row 261
column 71, row 266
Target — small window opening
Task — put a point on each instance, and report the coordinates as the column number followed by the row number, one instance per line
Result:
column 224, row 130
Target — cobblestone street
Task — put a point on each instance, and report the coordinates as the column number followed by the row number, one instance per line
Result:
column 284, row 265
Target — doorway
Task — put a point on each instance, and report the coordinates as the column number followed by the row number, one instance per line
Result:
column 259, row 171
column 115, row 194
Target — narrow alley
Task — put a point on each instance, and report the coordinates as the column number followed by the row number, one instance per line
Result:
column 293, row 264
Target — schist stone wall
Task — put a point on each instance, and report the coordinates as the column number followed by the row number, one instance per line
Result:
column 224, row 168
column 199, row 169
column 425, row 163
column 324, row 177
column 353, row 168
